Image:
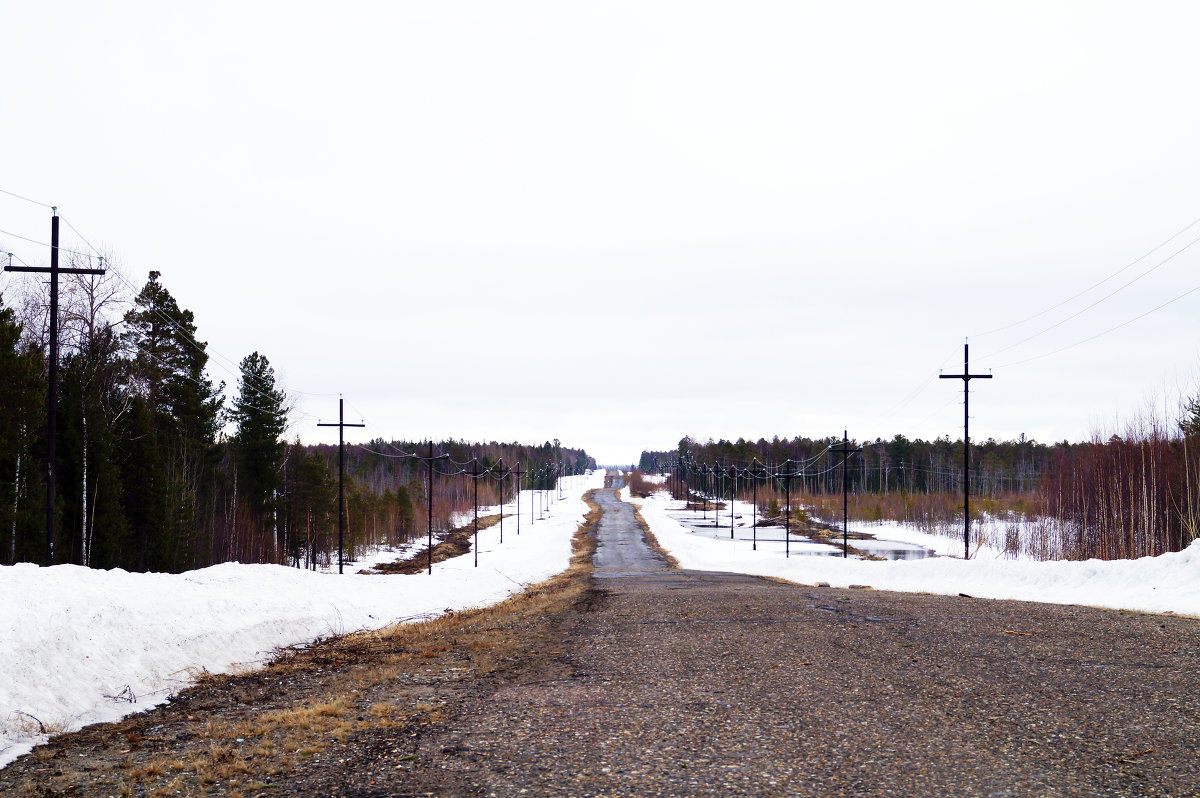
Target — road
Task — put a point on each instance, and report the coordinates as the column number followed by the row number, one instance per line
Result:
column 621, row 547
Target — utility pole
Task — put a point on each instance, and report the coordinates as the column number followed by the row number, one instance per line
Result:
column 503, row 476
column 429, row 520
column 341, row 425
column 732, row 496
column 429, row 461
column 845, row 451
column 966, row 377
column 544, row 494
column 517, row 496
column 754, row 500
column 787, row 503
column 685, row 480
column 52, row 388
column 475, row 480
column 679, row 486
column 717, row 485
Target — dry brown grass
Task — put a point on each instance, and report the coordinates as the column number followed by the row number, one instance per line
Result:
column 308, row 716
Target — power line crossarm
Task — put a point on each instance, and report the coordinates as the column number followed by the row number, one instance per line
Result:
column 966, row 377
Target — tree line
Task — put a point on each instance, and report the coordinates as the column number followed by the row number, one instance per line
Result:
column 158, row 471
column 900, row 464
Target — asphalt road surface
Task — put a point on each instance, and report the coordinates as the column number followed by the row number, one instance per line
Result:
column 685, row 683
column 621, row 548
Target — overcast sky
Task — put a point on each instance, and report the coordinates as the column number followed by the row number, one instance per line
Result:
column 618, row 224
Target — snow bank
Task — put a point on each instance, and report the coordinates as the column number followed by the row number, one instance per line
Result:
column 78, row 645
column 1167, row 583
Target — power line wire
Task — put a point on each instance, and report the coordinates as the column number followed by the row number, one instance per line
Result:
column 1105, row 332
column 1095, row 285
column 27, row 199
column 184, row 335
column 187, row 336
column 1098, row 301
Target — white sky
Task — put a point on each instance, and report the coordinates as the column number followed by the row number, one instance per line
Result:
column 617, row 224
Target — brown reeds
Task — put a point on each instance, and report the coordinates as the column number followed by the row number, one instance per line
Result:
column 640, row 486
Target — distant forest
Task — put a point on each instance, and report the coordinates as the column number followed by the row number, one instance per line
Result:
column 158, row 471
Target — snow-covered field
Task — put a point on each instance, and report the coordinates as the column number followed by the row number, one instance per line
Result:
column 78, row 646
column 1167, row 583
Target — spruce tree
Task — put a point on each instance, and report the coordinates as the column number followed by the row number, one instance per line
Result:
column 260, row 413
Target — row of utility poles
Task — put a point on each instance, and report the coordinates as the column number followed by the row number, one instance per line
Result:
column 498, row 472
column 786, row 472
column 759, row 472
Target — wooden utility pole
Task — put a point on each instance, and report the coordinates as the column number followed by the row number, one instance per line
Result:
column 503, row 477
column 475, row 480
column 52, row 387
column 681, row 482
column 966, row 377
column 845, row 451
column 429, row 461
column 341, row 425
column 787, row 478
column 517, row 497
column 715, row 473
column 430, row 508
column 754, row 502
column 732, row 496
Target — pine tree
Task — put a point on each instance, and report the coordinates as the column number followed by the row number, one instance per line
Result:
column 168, row 367
column 169, row 362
